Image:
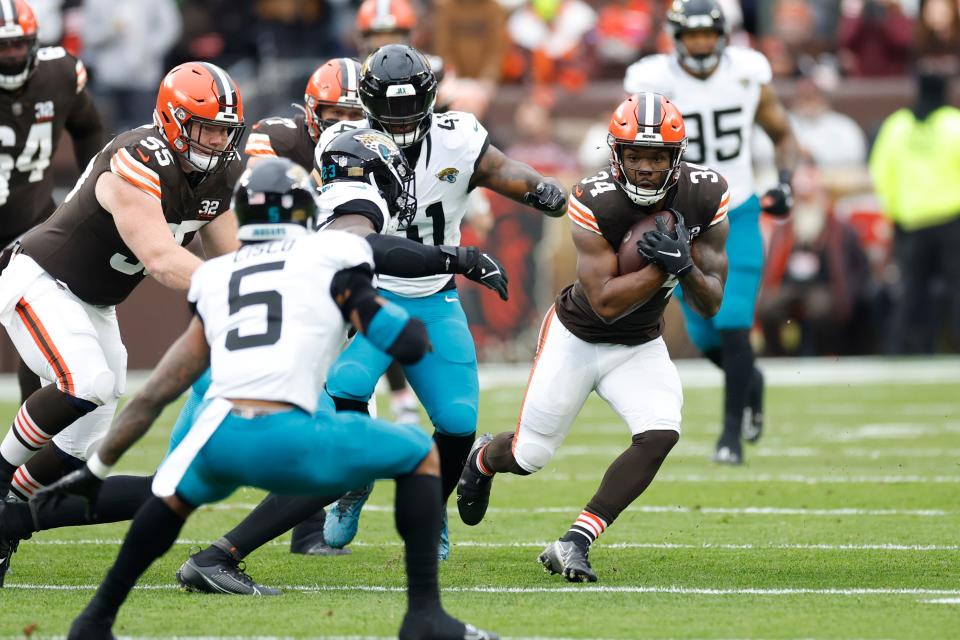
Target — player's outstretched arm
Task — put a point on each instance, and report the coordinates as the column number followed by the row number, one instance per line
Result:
column 520, row 182
column 703, row 283
column 86, row 129
column 220, row 236
column 774, row 120
column 388, row 326
column 611, row 295
column 143, row 228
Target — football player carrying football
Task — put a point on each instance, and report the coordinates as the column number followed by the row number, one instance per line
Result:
column 603, row 333
column 721, row 92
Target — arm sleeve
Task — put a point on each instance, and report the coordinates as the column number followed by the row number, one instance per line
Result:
column 361, row 207
column 404, row 258
column 85, row 128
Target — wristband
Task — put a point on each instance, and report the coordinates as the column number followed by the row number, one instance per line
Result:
column 97, row 467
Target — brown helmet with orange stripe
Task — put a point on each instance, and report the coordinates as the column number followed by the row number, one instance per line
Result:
column 200, row 113
column 649, row 129
column 18, row 43
column 332, row 89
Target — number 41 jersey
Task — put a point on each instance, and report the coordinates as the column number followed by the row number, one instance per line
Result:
column 269, row 317
column 598, row 205
column 718, row 112
column 449, row 154
column 80, row 245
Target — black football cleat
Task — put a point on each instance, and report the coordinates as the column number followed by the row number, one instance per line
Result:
column 473, row 489
column 227, row 576
column 308, row 538
column 569, row 560
column 437, row 624
column 8, row 546
column 86, row 627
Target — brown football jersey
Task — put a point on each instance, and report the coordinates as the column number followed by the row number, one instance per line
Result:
column 32, row 119
column 598, row 205
column 284, row 137
column 80, row 245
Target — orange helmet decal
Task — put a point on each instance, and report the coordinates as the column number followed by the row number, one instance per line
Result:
column 385, row 15
column 18, row 19
column 198, row 92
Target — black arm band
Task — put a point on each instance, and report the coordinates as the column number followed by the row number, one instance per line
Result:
column 405, row 258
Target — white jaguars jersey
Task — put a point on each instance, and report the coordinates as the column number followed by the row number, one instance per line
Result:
column 718, row 112
column 271, row 323
column 340, row 197
column 448, row 156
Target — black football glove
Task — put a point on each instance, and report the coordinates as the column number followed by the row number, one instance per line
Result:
column 548, row 198
column 669, row 251
column 80, row 483
column 483, row 268
column 779, row 200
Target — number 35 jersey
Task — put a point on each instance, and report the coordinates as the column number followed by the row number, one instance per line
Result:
column 719, row 111
column 601, row 207
column 269, row 317
column 449, row 155
column 80, row 245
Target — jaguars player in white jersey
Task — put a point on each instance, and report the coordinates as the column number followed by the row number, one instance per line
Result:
column 722, row 91
column 451, row 155
column 269, row 320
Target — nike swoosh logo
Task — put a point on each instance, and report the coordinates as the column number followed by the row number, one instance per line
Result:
column 446, row 299
column 673, row 255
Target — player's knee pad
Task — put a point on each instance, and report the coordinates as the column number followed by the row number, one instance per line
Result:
column 535, row 444
column 455, row 418
column 351, row 380
column 100, row 388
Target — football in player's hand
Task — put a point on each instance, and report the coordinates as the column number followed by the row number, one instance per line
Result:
column 628, row 257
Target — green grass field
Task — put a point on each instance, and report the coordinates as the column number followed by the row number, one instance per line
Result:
column 843, row 524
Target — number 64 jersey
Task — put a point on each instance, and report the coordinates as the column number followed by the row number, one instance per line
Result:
column 718, row 111
column 598, row 205
column 270, row 319
column 449, row 154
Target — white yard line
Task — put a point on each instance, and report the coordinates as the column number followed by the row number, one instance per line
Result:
column 674, row 589
column 539, row 544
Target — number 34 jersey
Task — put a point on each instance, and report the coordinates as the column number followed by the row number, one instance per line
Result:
column 601, row 207
column 269, row 317
column 449, row 155
column 80, row 245
column 719, row 111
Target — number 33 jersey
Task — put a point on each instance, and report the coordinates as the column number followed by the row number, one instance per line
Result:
column 601, row 207
column 269, row 317
column 718, row 112
column 80, row 245
column 449, row 155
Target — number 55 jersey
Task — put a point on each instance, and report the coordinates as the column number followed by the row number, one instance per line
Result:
column 79, row 244
column 718, row 111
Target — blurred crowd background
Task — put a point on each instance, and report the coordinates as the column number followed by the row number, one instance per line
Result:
column 869, row 262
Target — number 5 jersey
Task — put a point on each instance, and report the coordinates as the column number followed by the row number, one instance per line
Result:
column 79, row 244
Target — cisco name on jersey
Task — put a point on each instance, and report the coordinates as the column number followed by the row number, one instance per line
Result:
column 600, row 207
column 275, row 295
column 718, row 111
column 448, row 157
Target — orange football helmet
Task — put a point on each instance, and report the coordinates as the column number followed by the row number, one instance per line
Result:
column 332, row 85
column 646, row 120
column 195, row 95
column 18, row 43
column 375, row 16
